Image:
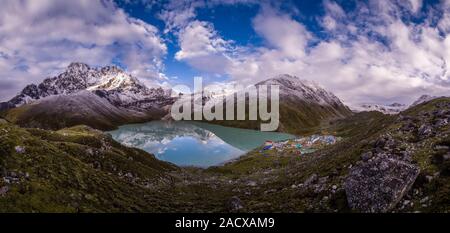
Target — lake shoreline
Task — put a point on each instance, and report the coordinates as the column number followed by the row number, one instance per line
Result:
column 205, row 144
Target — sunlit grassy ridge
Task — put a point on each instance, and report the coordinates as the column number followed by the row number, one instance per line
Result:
column 80, row 169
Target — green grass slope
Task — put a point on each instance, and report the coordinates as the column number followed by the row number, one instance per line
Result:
column 314, row 182
column 296, row 116
column 76, row 170
column 83, row 170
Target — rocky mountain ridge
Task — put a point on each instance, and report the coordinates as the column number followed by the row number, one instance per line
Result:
column 393, row 108
column 110, row 82
column 292, row 86
column 303, row 106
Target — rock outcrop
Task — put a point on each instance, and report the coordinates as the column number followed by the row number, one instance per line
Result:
column 102, row 98
column 110, row 82
column 378, row 184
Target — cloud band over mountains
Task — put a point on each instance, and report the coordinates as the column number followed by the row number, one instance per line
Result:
column 40, row 38
column 363, row 51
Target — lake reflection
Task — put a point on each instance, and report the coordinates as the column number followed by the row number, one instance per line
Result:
column 192, row 143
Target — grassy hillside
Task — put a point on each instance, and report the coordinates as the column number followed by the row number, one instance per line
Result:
column 315, row 182
column 82, row 170
column 57, row 112
column 296, row 116
column 75, row 170
column 84, row 108
column 305, row 181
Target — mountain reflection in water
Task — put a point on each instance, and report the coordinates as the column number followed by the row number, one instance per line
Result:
column 188, row 143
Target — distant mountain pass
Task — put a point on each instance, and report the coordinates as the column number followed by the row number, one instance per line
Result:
column 389, row 109
column 394, row 108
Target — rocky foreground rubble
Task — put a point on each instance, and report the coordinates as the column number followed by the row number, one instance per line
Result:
column 379, row 184
column 383, row 164
column 387, row 173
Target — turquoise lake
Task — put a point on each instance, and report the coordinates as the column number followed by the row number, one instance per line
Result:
column 187, row 143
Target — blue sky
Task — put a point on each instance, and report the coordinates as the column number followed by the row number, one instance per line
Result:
column 231, row 21
column 363, row 51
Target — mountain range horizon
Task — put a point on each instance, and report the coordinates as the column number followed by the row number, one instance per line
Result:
column 31, row 89
column 246, row 108
column 132, row 100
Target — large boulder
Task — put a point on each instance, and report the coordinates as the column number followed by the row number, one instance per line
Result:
column 234, row 204
column 378, row 184
column 425, row 131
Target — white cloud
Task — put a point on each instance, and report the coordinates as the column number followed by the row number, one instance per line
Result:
column 177, row 14
column 415, row 5
column 178, row 17
column 334, row 9
column 200, row 44
column 371, row 55
column 199, row 39
column 40, row 38
column 202, row 48
column 282, row 32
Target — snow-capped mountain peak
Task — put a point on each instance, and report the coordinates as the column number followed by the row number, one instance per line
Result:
column 303, row 89
column 116, row 80
column 77, row 67
column 390, row 109
column 109, row 82
column 394, row 108
column 423, row 99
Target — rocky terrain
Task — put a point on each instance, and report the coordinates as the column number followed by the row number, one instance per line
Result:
column 385, row 163
column 423, row 99
column 110, row 82
column 102, row 98
column 74, row 170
